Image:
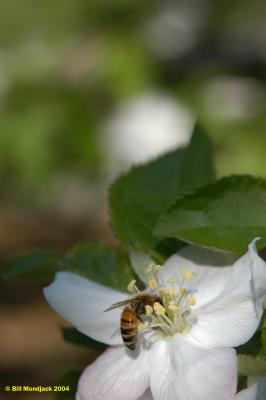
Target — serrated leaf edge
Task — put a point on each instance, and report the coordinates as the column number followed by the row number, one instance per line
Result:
column 252, row 369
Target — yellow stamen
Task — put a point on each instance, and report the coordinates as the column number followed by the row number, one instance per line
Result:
column 188, row 274
column 158, row 308
column 192, row 301
column 148, row 310
column 172, row 292
column 157, row 269
column 153, row 284
column 131, row 287
column 163, row 292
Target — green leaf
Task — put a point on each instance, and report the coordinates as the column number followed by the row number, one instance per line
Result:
column 139, row 197
column 225, row 215
column 242, row 383
column 74, row 336
column 38, row 264
column 263, row 333
column 252, row 347
column 263, row 341
column 106, row 265
column 251, row 366
column 102, row 264
column 257, row 344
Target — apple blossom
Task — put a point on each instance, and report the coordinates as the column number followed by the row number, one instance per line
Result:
column 256, row 391
column 145, row 127
column 185, row 349
column 248, row 394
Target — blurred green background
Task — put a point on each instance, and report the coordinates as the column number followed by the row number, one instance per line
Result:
column 73, row 75
column 66, row 66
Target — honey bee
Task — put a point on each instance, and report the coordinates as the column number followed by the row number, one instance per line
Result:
column 135, row 307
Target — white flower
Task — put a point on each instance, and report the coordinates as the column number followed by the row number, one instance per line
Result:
column 189, row 355
column 144, row 128
column 256, row 390
column 251, row 393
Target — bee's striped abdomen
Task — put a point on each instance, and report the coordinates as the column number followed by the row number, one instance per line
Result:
column 129, row 327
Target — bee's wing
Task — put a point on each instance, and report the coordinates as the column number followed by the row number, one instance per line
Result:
column 120, row 304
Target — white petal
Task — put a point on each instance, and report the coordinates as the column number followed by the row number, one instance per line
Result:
column 191, row 256
column 234, row 314
column 181, row 371
column 211, row 267
column 209, row 281
column 117, row 374
column 258, row 268
column 82, row 303
column 248, row 394
column 261, row 388
column 260, row 382
column 140, row 262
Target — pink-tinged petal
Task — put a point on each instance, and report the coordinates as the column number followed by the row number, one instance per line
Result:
column 117, row 374
column 249, row 393
column 183, row 371
column 82, row 303
column 234, row 315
